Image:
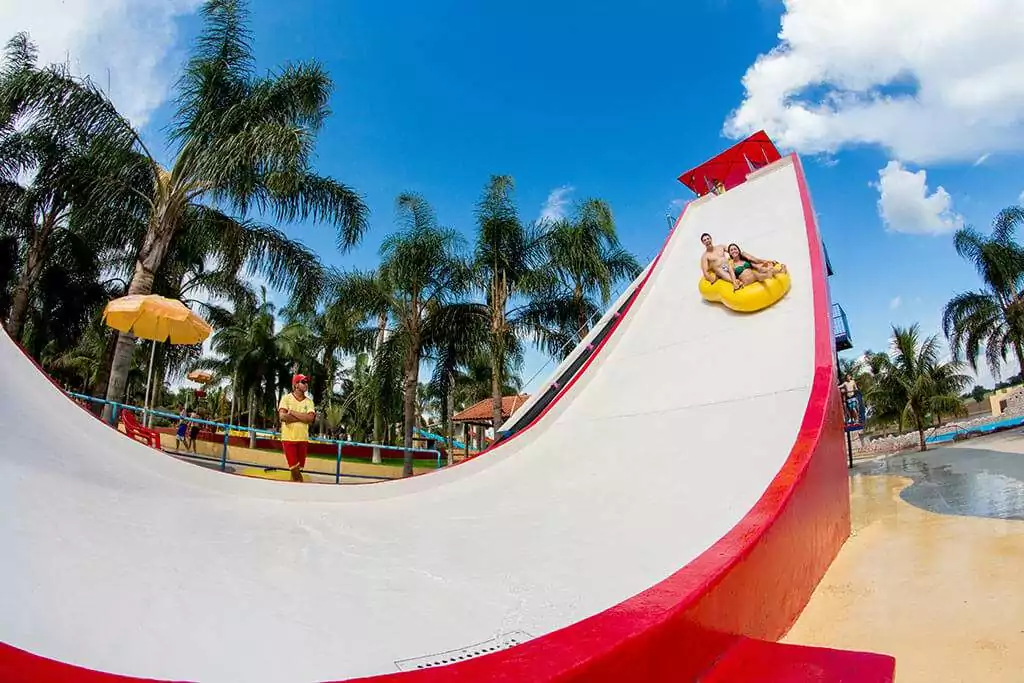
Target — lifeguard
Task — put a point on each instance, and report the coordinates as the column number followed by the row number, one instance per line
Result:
column 297, row 412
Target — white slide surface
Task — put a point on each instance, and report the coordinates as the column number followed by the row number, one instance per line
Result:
column 120, row 559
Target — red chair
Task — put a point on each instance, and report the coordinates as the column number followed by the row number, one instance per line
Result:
column 136, row 431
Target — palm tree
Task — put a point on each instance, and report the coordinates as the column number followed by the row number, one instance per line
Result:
column 258, row 358
column 242, row 141
column 521, row 294
column 421, row 278
column 330, row 334
column 373, row 396
column 865, row 371
column 584, row 251
column 44, row 175
column 913, row 383
column 994, row 315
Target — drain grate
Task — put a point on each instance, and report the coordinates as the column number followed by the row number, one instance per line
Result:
column 500, row 642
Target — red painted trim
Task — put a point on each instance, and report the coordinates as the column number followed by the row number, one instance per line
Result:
column 752, row 583
column 780, row 663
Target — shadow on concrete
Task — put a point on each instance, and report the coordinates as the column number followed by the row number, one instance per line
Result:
column 959, row 480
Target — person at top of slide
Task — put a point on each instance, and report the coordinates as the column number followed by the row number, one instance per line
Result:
column 749, row 269
column 849, row 390
column 714, row 263
column 297, row 412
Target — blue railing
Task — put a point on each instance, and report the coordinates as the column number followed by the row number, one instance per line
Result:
column 426, row 434
column 959, row 431
column 224, row 461
column 841, row 328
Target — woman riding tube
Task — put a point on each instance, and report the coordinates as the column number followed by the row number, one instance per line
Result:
column 749, row 269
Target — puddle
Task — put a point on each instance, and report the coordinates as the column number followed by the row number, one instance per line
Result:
column 958, row 481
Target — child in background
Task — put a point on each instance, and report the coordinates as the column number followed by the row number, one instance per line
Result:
column 181, row 435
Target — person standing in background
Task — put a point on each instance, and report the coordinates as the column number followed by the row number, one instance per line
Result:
column 297, row 412
column 193, row 432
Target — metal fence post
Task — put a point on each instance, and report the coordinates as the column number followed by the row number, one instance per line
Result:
column 337, row 472
column 224, row 454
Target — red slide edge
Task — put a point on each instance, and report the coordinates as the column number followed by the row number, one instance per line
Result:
column 700, row 623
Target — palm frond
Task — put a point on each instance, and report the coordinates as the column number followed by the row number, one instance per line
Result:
column 308, row 196
column 218, row 73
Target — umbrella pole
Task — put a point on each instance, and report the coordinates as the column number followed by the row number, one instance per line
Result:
column 149, row 381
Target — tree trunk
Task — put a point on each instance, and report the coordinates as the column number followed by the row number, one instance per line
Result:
column 99, row 387
column 162, row 227
column 498, row 299
column 378, row 432
column 411, row 384
column 496, row 417
column 1020, row 355
column 497, row 355
column 34, row 261
column 234, row 394
column 378, row 413
column 252, row 419
column 584, row 321
column 19, row 305
column 449, row 426
column 920, row 436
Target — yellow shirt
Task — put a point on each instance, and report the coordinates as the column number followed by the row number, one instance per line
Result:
column 295, row 431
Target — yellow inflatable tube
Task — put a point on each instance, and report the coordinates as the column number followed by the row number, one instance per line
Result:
column 749, row 298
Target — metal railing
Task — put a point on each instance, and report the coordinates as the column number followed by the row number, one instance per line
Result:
column 841, row 328
column 594, row 317
column 228, row 428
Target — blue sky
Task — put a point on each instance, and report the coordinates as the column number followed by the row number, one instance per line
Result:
column 614, row 100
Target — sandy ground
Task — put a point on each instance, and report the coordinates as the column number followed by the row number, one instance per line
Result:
column 940, row 592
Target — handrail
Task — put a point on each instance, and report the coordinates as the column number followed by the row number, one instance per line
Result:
column 227, row 427
column 591, row 321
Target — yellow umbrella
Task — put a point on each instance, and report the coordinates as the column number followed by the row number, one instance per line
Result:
column 157, row 318
column 200, row 376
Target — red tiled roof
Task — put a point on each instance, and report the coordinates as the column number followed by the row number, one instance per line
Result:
column 483, row 411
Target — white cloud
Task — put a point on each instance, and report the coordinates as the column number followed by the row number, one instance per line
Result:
column 895, row 303
column 130, row 44
column 1020, row 199
column 927, row 81
column 982, row 159
column 906, row 206
column 557, row 203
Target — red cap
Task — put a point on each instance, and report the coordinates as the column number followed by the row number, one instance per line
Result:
column 299, row 378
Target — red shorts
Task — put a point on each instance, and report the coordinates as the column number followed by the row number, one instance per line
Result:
column 295, row 453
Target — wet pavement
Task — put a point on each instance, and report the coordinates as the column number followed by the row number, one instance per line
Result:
column 960, row 480
column 931, row 571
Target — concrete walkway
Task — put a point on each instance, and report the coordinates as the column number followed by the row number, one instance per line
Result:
column 932, row 572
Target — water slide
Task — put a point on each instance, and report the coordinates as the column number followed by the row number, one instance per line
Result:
column 665, row 517
column 426, row 434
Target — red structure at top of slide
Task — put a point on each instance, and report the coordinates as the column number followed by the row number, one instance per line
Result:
column 731, row 168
